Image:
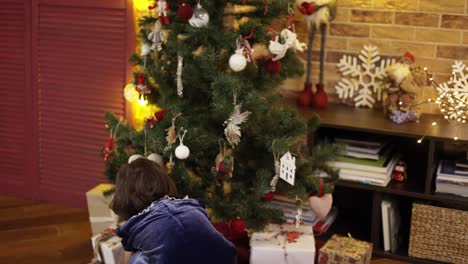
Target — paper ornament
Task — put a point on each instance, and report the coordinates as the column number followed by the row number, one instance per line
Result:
column 363, row 82
column 288, row 168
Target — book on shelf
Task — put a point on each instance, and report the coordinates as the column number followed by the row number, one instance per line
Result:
column 365, row 180
column 446, row 171
column 462, row 163
column 449, row 187
column 391, row 221
column 372, row 143
column 385, row 224
column 363, row 150
column 461, row 170
column 380, row 166
column 369, row 174
column 361, row 155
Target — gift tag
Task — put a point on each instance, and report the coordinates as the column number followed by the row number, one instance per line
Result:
column 288, row 168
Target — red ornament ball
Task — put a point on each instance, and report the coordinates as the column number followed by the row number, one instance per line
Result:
column 273, row 67
column 238, row 226
column 184, row 12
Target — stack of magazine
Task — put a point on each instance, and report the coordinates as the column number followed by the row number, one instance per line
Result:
column 289, row 208
column 366, row 161
column 452, row 177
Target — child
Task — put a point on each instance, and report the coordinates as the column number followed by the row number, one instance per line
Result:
column 161, row 229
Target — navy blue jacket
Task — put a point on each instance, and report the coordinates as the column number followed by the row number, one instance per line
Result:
column 173, row 231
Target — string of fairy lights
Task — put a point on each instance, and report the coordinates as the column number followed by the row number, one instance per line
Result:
column 449, row 102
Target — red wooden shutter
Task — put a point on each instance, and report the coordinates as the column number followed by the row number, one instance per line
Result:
column 80, row 57
column 14, row 134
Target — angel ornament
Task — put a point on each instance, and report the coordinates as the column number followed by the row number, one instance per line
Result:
column 232, row 130
column 289, row 41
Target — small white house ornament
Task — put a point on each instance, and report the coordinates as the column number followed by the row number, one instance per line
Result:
column 288, row 168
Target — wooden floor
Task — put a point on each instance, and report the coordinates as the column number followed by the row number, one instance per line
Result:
column 35, row 232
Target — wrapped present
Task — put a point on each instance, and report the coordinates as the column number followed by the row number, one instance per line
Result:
column 283, row 244
column 108, row 248
column 100, row 215
column 341, row 249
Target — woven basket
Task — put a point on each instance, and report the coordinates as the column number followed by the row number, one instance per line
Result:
column 439, row 234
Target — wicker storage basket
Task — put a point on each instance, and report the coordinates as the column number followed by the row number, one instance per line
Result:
column 439, row 234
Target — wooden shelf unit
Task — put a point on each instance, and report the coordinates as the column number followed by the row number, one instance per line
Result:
column 367, row 121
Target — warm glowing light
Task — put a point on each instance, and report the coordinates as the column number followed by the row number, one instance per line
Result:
column 419, row 141
column 455, row 138
column 142, row 102
column 434, row 123
column 130, row 93
column 425, row 68
column 429, row 100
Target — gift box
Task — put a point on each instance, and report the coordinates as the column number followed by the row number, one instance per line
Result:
column 341, row 249
column 109, row 249
column 283, row 244
column 100, row 215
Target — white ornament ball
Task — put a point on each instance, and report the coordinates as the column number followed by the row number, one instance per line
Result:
column 182, row 152
column 134, row 157
column 130, row 93
column 237, row 62
column 200, row 17
column 156, row 158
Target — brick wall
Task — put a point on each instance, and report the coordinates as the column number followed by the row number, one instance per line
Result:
column 434, row 31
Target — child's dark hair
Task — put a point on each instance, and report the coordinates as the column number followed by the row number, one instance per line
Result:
column 139, row 184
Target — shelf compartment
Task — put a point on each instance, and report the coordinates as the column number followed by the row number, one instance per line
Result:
column 405, row 189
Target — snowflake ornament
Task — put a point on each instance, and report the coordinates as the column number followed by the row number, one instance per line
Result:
column 455, row 90
column 362, row 77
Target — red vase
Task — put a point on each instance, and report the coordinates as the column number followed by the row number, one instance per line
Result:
column 320, row 97
column 306, row 97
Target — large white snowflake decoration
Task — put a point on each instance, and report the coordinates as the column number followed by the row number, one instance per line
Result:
column 362, row 82
column 455, row 90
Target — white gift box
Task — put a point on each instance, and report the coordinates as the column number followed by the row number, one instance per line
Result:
column 111, row 250
column 270, row 248
column 100, row 215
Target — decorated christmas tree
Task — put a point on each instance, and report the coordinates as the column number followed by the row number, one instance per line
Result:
column 221, row 130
